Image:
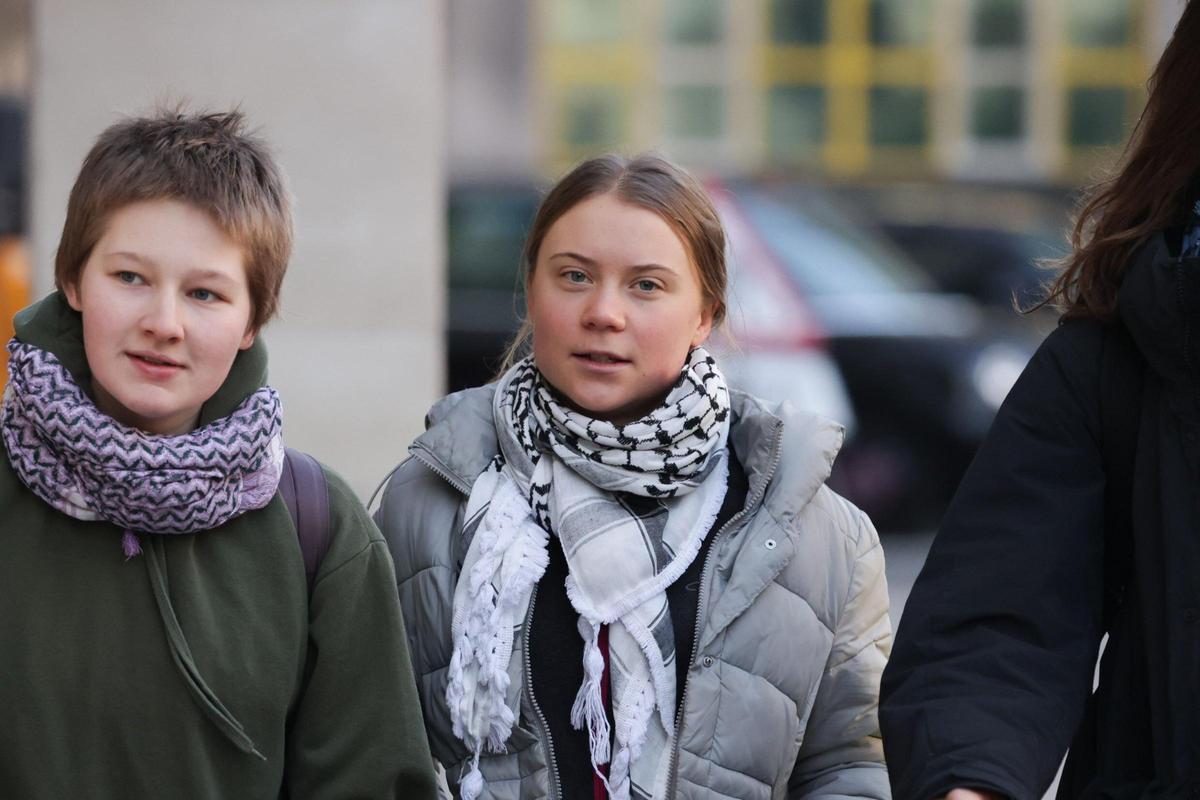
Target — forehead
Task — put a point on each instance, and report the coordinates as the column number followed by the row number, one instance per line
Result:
column 612, row 231
column 170, row 234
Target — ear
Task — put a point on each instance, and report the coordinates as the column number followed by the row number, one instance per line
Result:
column 704, row 328
column 248, row 339
column 71, row 290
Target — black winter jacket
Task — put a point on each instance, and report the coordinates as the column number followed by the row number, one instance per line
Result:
column 1078, row 518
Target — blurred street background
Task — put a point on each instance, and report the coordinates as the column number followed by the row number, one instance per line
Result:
column 890, row 172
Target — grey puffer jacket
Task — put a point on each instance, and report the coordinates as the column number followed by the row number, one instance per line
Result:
column 793, row 628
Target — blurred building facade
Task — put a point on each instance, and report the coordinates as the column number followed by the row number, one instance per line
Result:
column 1030, row 90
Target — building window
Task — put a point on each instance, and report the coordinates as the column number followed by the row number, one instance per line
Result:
column 998, row 23
column 1100, row 23
column 899, row 116
column 586, row 20
column 694, row 21
column 796, row 123
column 1096, row 116
column 899, row 22
column 594, row 118
column 695, row 112
column 799, row 21
column 998, row 113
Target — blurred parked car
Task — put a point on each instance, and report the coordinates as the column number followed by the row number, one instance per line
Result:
column 985, row 241
column 926, row 370
column 995, row 266
column 772, row 344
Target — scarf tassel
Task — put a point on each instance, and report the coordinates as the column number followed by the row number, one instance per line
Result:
column 471, row 785
column 131, row 544
column 588, row 708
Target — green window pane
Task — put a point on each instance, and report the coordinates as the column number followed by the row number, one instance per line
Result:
column 594, row 118
column 694, row 21
column 586, row 20
column 799, row 21
column 695, row 112
column 898, row 115
column 998, row 23
column 796, row 121
column 1100, row 23
column 1096, row 116
column 899, row 22
column 998, row 112
column 485, row 230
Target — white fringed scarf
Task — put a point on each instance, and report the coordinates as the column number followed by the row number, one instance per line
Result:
column 562, row 473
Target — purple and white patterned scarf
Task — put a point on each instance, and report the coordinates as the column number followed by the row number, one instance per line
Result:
column 91, row 467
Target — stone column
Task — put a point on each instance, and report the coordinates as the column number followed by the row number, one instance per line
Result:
column 351, row 95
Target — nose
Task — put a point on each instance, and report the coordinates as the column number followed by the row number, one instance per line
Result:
column 163, row 320
column 604, row 311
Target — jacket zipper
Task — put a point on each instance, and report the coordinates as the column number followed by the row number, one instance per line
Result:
column 776, row 455
column 436, row 467
column 442, row 472
column 543, row 726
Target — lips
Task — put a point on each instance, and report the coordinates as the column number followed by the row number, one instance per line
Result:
column 155, row 366
column 600, row 357
column 154, row 359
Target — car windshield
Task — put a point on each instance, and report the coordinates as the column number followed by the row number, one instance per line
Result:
column 824, row 253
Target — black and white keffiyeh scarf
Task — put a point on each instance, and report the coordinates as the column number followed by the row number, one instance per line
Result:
column 631, row 505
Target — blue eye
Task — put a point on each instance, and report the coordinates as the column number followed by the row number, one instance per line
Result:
column 125, row 276
column 647, row 286
column 576, row 276
column 203, row 295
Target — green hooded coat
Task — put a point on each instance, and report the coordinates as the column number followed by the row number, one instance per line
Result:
column 201, row 668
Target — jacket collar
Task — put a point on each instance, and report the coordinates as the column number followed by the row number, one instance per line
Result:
column 787, row 454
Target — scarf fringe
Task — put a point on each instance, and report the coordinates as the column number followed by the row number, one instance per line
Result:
column 588, row 708
column 131, row 544
column 483, row 642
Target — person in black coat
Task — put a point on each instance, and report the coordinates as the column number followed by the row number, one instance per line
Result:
column 1079, row 518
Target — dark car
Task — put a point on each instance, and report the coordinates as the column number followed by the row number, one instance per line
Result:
column 986, row 241
column 926, row 370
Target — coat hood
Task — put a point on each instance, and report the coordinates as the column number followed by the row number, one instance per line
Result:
column 52, row 325
column 1159, row 302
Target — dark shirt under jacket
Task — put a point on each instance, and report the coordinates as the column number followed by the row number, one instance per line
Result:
column 556, row 648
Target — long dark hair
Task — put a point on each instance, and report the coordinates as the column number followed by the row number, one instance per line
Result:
column 648, row 181
column 1152, row 186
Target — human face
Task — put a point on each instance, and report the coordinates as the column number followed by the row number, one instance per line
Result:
column 165, row 309
column 616, row 305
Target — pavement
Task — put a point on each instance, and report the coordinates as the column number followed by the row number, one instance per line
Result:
column 904, row 554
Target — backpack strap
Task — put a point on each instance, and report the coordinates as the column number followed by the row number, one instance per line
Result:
column 306, row 495
column 1122, row 375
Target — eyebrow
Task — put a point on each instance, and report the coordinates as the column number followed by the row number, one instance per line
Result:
column 203, row 275
column 650, row 267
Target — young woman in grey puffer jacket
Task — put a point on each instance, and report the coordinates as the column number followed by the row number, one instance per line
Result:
column 620, row 578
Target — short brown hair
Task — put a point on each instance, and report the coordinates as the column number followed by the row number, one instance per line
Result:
column 208, row 160
column 650, row 182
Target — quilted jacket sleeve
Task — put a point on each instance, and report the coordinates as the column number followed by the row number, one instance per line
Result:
column 842, row 755
column 995, row 654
